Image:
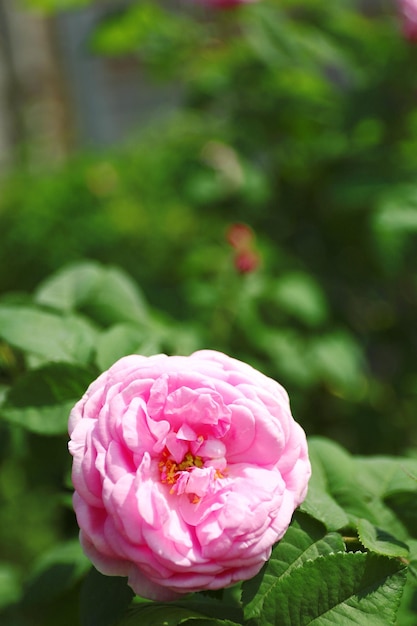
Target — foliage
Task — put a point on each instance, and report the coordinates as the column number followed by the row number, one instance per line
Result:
column 345, row 554
column 299, row 119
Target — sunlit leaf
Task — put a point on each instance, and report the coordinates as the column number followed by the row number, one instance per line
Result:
column 107, row 294
column 379, row 541
column 47, row 335
column 342, row 588
column 10, row 587
column 306, row 539
column 118, row 341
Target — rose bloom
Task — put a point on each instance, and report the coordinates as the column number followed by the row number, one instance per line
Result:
column 186, row 471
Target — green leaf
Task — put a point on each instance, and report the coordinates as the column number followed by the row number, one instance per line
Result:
column 9, row 585
column 223, row 604
column 156, row 614
column 305, row 539
column 288, row 350
column 103, row 599
column 341, row 476
column 107, row 294
column 300, row 295
column 404, row 505
column 56, row 572
column 319, row 503
column 41, row 400
column 343, row 589
column 208, row 621
column 70, row 287
column 338, row 359
column 384, row 476
column 47, row 335
column 412, row 544
column 399, row 213
column 118, row 341
column 407, row 612
column 379, row 541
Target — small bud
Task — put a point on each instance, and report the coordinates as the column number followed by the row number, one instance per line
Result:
column 247, row 261
column 240, row 236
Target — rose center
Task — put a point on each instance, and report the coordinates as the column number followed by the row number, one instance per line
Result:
column 170, row 470
column 193, row 474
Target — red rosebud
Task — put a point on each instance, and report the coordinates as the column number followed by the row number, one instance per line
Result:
column 247, row 261
column 240, row 236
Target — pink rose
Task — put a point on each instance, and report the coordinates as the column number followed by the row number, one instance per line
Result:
column 408, row 9
column 186, row 471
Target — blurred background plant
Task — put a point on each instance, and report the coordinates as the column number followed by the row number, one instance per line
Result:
column 265, row 204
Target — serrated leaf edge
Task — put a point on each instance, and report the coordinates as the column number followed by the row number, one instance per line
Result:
column 288, row 572
column 388, row 556
column 349, row 555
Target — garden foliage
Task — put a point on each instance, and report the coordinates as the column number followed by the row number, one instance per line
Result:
column 298, row 118
column 344, row 558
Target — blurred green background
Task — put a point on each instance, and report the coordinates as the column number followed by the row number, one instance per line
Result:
column 295, row 118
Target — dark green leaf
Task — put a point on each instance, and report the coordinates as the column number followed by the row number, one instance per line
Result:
column 41, row 400
column 57, row 571
column 404, row 504
column 305, row 539
column 221, row 603
column 343, row 589
column 379, row 541
column 153, row 614
column 103, row 599
column 208, row 621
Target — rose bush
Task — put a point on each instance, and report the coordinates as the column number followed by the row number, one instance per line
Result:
column 186, row 471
